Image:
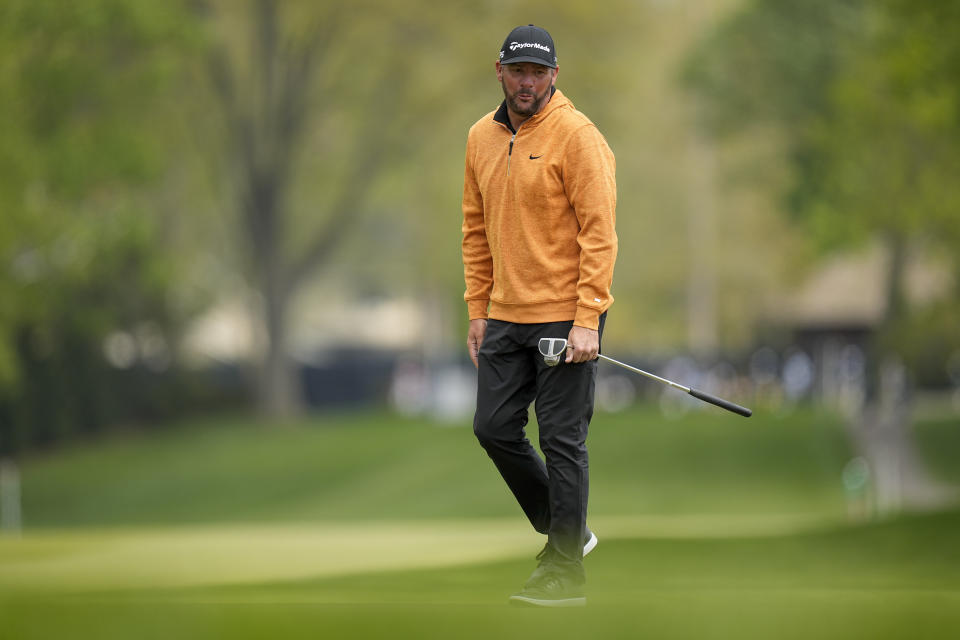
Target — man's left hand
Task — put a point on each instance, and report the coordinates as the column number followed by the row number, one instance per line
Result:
column 582, row 344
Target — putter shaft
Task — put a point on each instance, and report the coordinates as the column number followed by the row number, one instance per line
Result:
column 696, row 393
column 647, row 374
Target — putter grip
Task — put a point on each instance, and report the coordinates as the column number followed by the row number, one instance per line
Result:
column 720, row 402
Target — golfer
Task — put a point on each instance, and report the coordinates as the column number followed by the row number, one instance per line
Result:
column 539, row 246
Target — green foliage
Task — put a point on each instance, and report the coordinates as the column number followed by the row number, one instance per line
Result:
column 82, row 89
column 890, row 152
column 770, row 61
column 84, row 80
column 773, row 64
column 865, row 96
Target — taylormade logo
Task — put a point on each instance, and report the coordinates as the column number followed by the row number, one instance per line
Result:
column 527, row 45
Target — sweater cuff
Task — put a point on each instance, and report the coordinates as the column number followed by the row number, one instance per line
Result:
column 587, row 318
column 477, row 309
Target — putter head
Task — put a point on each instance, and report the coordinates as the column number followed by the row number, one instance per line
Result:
column 552, row 349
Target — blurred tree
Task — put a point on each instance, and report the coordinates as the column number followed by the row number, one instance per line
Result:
column 315, row 100
column 81, row 247
column 864, row 95
column 889, row 154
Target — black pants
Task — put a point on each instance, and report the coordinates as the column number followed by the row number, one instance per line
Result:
column 511, row 375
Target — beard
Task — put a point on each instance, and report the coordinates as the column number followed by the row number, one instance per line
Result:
column 525, row 109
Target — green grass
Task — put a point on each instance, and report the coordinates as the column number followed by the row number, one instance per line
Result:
column 370, row 526
column 374, row 466
column 896, row 579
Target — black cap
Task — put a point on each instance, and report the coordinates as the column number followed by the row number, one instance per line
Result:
column 529, row 44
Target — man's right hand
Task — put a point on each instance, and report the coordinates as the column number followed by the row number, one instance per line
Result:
column 478, row 328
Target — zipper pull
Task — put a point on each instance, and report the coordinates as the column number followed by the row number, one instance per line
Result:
column 510, row 152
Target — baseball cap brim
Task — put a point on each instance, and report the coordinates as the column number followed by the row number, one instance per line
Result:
column 533, row 59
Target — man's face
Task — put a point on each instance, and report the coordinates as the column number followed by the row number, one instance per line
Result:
column 526, row 86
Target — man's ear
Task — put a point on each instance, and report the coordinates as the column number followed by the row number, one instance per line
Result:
column 499, row 71
column 556, row 72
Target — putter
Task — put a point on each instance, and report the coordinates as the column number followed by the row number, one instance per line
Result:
column 553, row 348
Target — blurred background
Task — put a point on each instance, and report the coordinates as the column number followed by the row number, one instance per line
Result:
column 230, row 221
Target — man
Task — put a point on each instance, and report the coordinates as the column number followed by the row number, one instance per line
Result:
column 539, row 246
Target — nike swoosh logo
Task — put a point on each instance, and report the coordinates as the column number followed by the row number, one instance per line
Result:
column 533, row 157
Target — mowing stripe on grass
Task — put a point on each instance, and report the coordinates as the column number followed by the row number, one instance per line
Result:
column 73, row 560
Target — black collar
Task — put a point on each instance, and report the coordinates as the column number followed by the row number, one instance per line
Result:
column 503, row 117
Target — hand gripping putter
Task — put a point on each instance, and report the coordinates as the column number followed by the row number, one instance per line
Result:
column 553, row 348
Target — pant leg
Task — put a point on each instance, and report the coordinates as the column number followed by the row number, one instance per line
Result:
column 565, row 400
column 506, row 385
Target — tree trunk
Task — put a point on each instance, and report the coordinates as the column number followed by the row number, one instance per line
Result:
column 266, row 104
column 278, row 393
column 882, row 431
column 10, row 514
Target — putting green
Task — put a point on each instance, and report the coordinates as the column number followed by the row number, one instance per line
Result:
column 72, row 560
column 691, row 577
column 378, row 528
column 667, row 577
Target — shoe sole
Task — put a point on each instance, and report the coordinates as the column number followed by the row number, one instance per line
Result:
column 590, row 545
column 527, row 601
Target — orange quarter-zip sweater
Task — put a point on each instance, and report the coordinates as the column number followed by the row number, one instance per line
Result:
column 539, row 208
